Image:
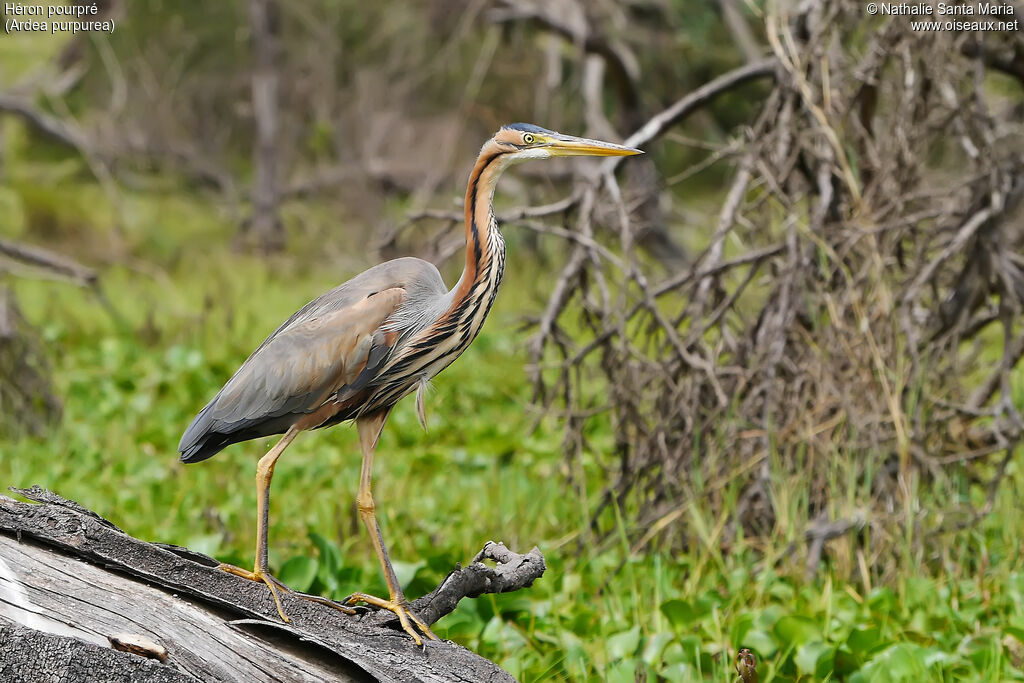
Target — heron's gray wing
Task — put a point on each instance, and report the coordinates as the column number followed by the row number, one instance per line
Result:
column 335, row 344
column 297, row 369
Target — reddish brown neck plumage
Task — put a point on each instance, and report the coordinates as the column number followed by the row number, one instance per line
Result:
column 481, row 239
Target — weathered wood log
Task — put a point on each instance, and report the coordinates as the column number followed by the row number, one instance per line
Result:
column 80, row 600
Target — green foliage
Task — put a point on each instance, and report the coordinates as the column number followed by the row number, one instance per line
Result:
column 479, row 473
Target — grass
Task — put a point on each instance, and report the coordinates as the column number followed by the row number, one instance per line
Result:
column 193, row 309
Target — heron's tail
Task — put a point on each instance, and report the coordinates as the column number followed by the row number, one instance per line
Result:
column 201, row 441
column 208, row 436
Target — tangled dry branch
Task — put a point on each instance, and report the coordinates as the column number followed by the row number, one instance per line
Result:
column 842, row 315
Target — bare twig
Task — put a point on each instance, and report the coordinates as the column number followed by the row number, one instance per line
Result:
column 661, row 122
column 47, row 124
column 49, row 261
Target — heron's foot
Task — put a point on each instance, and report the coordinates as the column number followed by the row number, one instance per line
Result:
column 401, row 610
column 326, row 602
column 259, row 576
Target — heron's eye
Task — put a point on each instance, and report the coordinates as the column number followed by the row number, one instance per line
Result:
column 528, row 139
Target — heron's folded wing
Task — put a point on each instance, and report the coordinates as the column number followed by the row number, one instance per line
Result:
column 306, row 362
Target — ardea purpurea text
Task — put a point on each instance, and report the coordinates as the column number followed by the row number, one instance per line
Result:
column 355, row 351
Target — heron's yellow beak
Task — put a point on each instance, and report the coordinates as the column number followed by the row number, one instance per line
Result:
column 569, row 146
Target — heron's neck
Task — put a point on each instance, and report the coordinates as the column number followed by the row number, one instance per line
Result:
column 485, row 248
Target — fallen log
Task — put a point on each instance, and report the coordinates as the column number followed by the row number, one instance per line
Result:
column 80, row 600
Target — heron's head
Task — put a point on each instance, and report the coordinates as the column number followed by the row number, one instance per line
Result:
column 524, row 141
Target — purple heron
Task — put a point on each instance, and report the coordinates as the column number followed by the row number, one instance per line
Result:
column 355, row 351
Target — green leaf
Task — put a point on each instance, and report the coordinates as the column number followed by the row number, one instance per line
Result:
column 691, row 645
column 330, row 561
column 981, row 650
column 882, row 600
column 899, row 662
column 502, row 635
column 1015, row 631
column 674, row 654
column 462, row 624
column 208, row 544
column 808, row 655
column 781, row 591
column 918, row 590
column 513, row 603
column 405, row 572
column 797, row 630
column 680, row 613
column 623, row 644
column 622, row 671
column 741, row 626
column 655, row 645
column 299, row 573
column 845, row 662
column 864, row 639
column 761, row 642
column 678, row 672
column 825, row 667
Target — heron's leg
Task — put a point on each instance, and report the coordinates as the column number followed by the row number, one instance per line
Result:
column 264, row 474
column 369, row 431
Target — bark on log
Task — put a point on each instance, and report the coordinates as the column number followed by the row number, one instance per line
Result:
column 73, row 587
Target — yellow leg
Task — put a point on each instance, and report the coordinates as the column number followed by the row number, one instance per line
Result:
column 264, row 474
column 260, row 572
column 369, row 432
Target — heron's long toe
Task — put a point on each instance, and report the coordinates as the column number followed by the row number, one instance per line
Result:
column 326, row 602
column 275, row 585
column 401, row 610
column 261, row 576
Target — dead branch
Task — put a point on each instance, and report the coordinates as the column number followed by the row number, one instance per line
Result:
column 48, row 125
column 661, row 122
column 741, row 33
column 822, row 531
column 833, row 305
column 50, row 262
column 561, row 206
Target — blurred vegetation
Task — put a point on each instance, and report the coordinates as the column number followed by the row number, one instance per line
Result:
column 374, row 92
column 478, row 473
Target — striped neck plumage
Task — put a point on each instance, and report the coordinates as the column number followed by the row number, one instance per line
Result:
column 485, row 247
